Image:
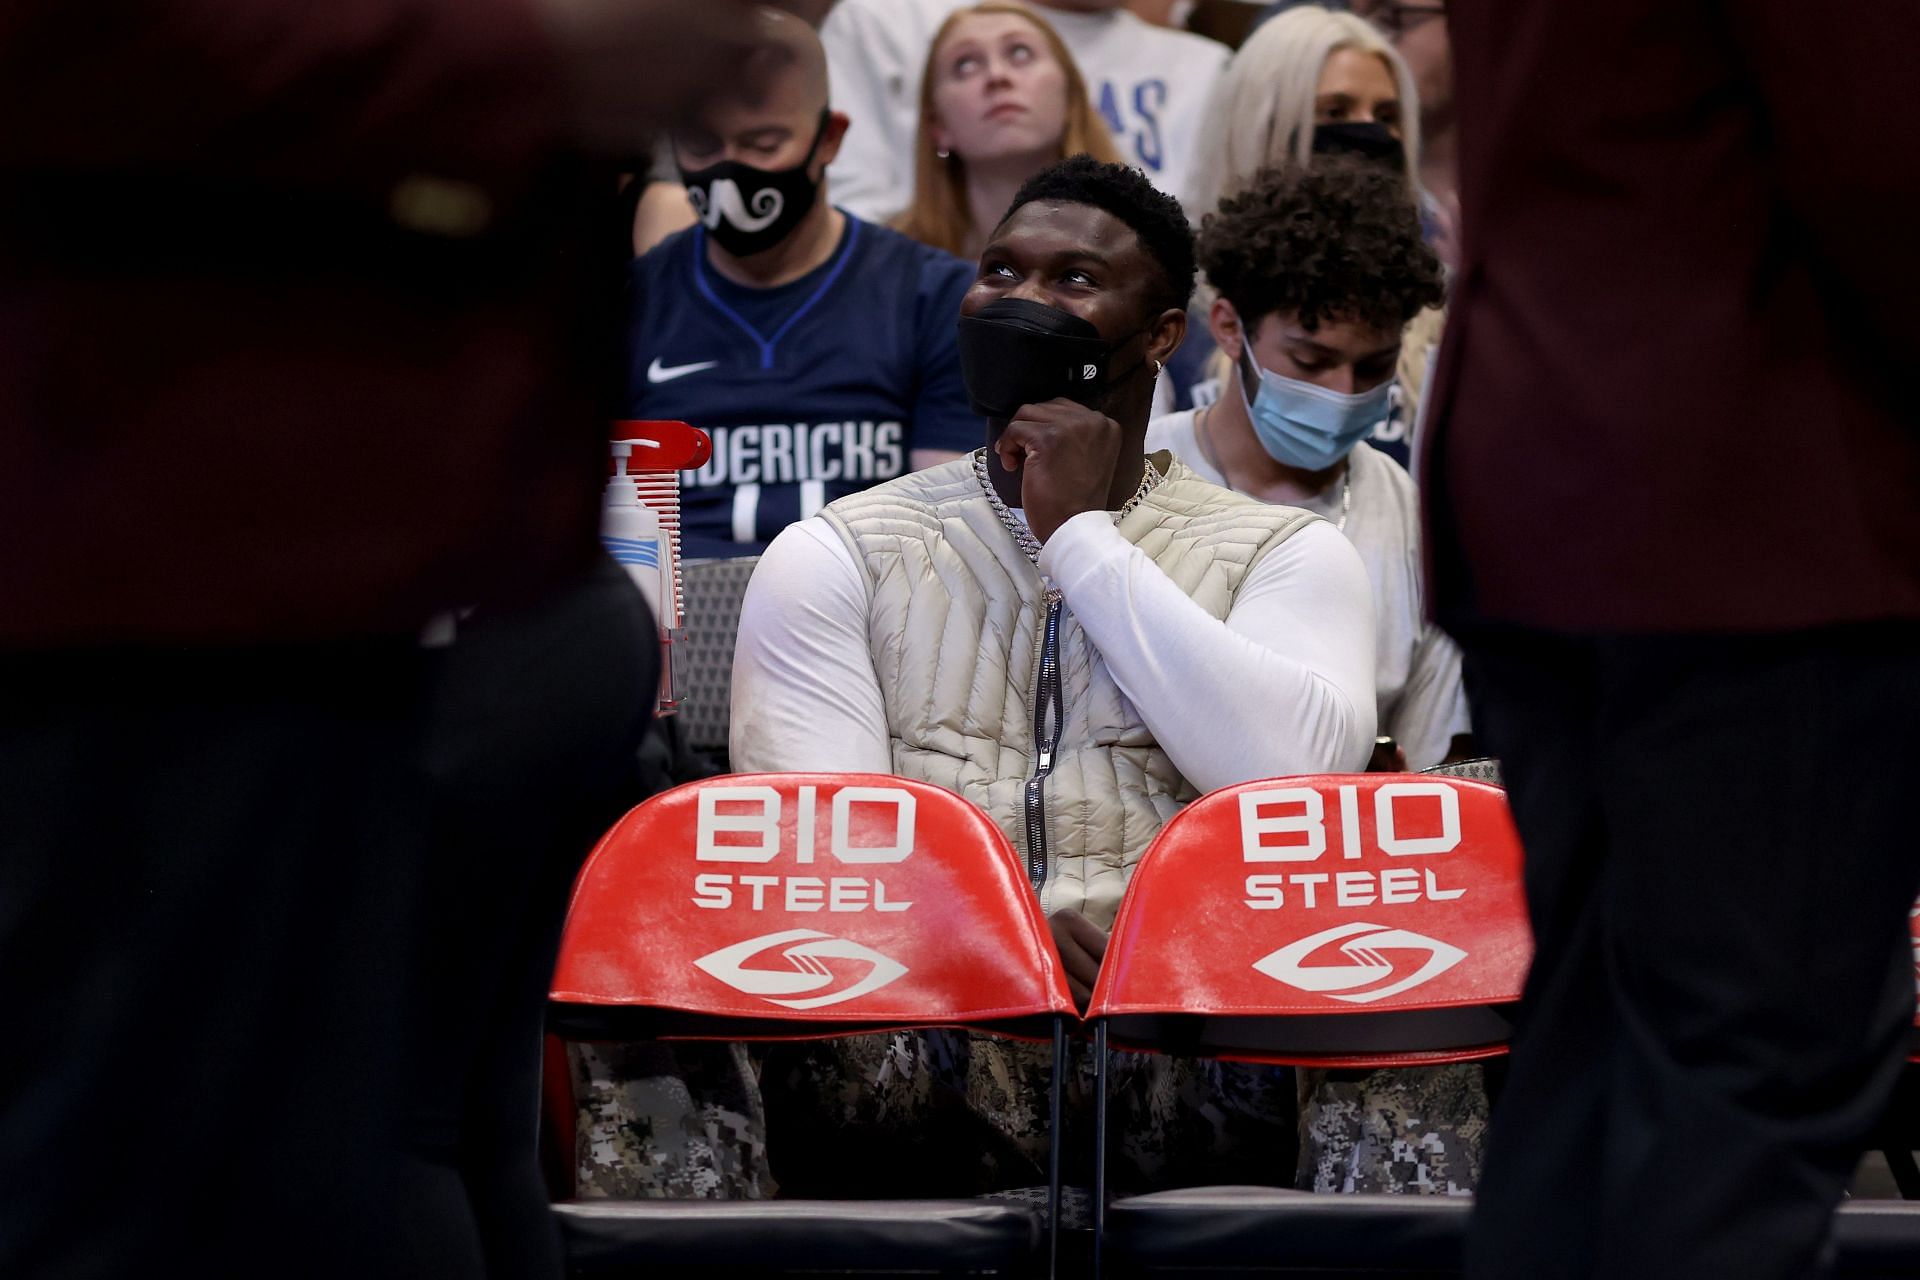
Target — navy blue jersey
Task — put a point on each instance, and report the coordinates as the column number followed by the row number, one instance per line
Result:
column 811, row 390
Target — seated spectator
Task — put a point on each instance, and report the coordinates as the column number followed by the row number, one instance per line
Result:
column 1418, row 29
column 1307, row 82
column 1317, row 272
column 1000, row 100
column 1148, row 83
column 657, row 205
column 816, row 349
column 1076, row 636
column 1312, row 82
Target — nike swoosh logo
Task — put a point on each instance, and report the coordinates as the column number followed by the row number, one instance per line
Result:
column 657, row 372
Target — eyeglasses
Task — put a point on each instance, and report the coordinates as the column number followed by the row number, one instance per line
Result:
column 1397, row 18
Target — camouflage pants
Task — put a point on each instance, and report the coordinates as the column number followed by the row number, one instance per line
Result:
column 945, row 1113
column 953, row 1114
column 668, row 1121
column 1418, row 1130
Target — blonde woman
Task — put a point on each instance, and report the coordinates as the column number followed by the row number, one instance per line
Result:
column 1305, row 70
column 1000, row 100
column 1308, row 81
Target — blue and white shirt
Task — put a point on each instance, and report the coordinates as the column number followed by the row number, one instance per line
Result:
column 810, row 390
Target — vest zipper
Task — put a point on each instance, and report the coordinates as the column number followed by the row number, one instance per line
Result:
column 1047, row 695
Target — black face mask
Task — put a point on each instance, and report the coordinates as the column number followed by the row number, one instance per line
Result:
column 748, row 210
column 1363, row 138
column 1014, row 353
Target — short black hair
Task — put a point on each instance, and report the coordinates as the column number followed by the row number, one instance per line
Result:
column 1126, row 194
column 1338, row 240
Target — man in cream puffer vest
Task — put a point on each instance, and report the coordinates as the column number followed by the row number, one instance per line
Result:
column 1077, row 637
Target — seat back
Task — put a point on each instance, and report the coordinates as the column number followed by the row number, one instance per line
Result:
column 791, row 906
column 711, row 618
column 1339, row 920
column 777, row 906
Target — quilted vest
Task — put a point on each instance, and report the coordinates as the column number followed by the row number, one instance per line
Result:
column 956, row 624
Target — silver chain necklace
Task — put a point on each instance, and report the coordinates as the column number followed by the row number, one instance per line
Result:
column 1030, row 545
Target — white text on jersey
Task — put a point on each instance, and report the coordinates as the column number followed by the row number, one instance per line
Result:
column 788, row 453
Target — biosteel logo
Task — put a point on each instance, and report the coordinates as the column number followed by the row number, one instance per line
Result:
column 867, row 829
column 1290, row 827
column 1357, row 961
column 807, row 953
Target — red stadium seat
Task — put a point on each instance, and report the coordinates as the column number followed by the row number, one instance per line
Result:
column 1359, row 920
column 1219, row 950
column 1339, row 920
column 799, row 906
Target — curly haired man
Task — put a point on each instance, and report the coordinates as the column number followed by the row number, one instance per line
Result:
column 1317, row 273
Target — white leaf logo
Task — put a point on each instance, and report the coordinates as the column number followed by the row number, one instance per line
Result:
column 806, row 950
column 1365, row 965
column 1088, row 372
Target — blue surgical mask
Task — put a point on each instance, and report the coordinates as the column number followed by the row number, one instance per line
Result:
column 1305, row 426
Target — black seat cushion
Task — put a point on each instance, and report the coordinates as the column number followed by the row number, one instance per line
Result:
column 1878, row 1238
column 1269, row 1231
column 1266, row 1231
column 770, row 1237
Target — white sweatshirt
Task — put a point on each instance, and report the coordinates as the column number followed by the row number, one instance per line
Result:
column 1150, row 83
column 1284, row 685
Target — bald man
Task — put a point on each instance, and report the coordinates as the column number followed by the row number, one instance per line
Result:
column 817, row 349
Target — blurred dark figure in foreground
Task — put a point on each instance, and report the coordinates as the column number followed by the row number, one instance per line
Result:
column 1675, row 485
column 298, row 356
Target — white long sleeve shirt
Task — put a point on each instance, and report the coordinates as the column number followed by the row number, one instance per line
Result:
column 1423, row 703
column 1284, row 685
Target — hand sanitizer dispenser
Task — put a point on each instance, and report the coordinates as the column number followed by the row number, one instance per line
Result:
column 630, row 530
column 640, row 522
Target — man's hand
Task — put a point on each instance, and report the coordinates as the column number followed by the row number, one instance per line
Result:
column 1081, row 944
column 1065, row 455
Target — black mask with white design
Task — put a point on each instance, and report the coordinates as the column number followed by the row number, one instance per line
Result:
column 748, row 210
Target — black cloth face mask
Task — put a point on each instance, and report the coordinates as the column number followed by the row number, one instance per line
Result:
column 1014, row 352
column 1363, row 138
column 748, row 210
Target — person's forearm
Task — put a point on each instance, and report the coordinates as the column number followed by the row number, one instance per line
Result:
column 1226, row 707
column 1432, row 709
